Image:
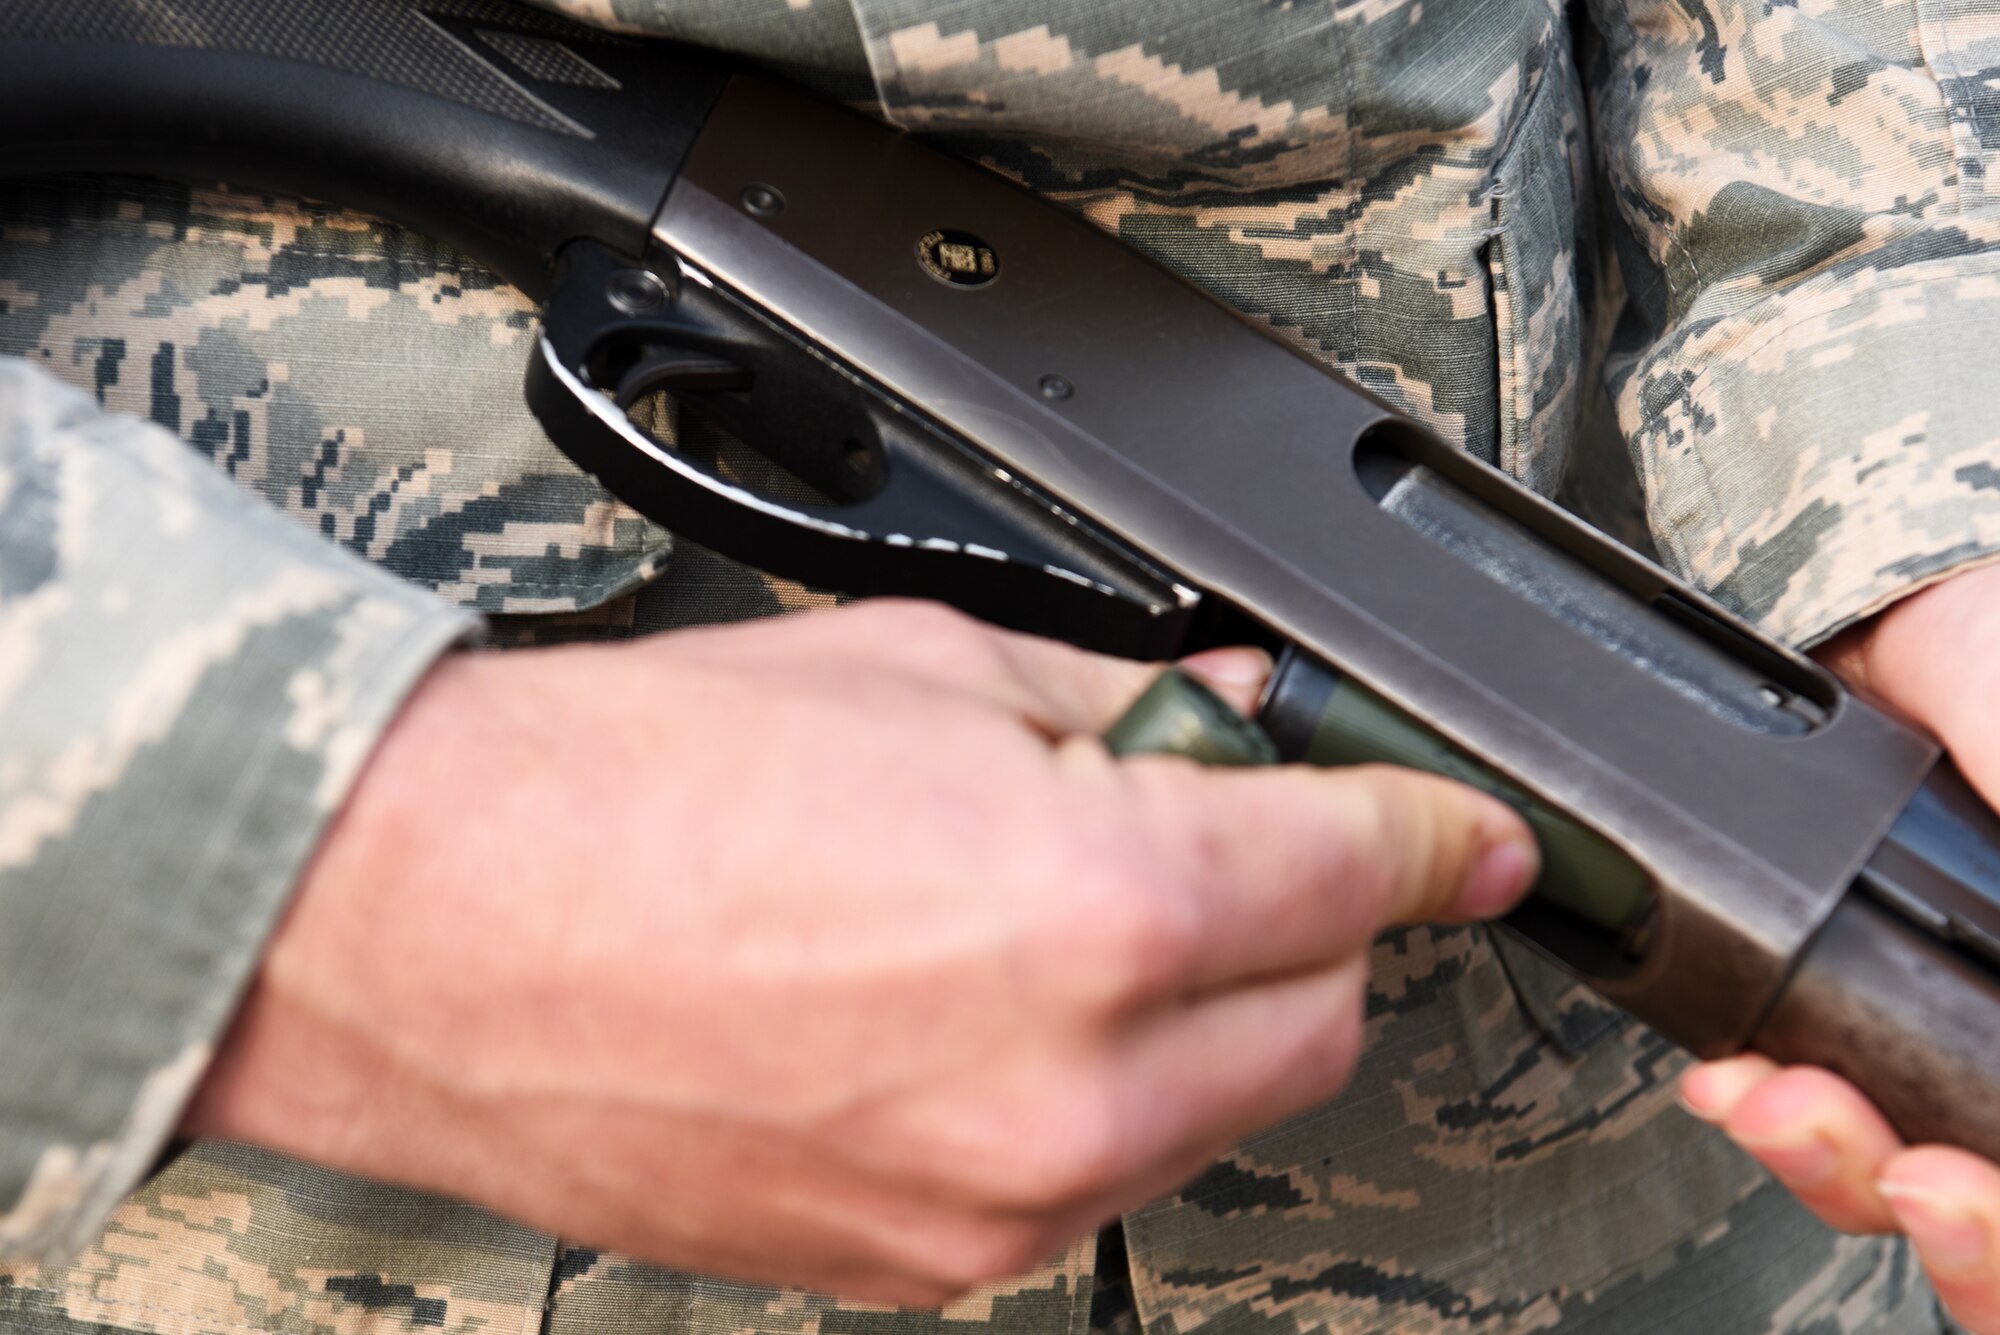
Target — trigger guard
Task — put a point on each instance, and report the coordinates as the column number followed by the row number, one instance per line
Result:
column 927, row 533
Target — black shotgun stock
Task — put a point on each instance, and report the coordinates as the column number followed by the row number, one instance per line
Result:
column 1000, row 406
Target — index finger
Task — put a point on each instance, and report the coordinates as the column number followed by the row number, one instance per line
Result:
column 1294, row 868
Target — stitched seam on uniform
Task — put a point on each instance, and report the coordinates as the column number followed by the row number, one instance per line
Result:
column 1530, row 106
column 606, row 588
column 1347, row 344
column 598, row 593
column 1513, row 340
column 1508, row 343
column 128, row 1305
column 532, row 1310
column 376, row 256
column 1934, row 15
column 539, row 1317
column 1083, row 1287
column 198, row 236
column 1986, row 541
column 1670, row 234
column 1883, row 599
column 238, row 248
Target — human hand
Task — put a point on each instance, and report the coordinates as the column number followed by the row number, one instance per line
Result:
column 1934, row 657
column 834, row 951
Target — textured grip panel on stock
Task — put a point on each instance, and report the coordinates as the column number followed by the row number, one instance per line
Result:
column 401, row 42
column 500, row 130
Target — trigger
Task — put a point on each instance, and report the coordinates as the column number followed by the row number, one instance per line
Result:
column 679, row 371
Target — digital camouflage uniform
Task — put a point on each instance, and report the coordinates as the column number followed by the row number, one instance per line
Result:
column 1795, row 330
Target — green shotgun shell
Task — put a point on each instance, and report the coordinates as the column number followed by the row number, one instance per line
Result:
column 1180, row 716
column 1319, row 717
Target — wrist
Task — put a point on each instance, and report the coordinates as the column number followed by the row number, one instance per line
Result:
column 303, row 1068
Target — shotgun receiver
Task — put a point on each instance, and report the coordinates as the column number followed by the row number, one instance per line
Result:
column 992, row 403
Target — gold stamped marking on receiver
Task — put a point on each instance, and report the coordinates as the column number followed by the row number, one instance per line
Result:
column 958, row 258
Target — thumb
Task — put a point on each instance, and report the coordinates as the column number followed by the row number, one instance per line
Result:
column 1934, row 658
column 1291, row 868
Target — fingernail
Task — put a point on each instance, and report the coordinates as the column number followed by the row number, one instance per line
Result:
column 1498, row 878
column 1806, row 1163
column 1712, row 1090
column 1239, row 665
column 1713, row 1116
column 1946, row 1235
column 1700, row 1095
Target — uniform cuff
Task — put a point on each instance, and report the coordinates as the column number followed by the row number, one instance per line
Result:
column 189, row 683
column 1829, row 450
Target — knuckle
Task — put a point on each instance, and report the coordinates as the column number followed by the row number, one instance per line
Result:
column 1315, row 1060
column 1127, row 927
column 1078, row 1162
column 1388, row 836
column 1335, row 1045
column 1039, row 1146
column 1152, row 950
column 986, row 1251
column 1366, row 806
column 932, row 631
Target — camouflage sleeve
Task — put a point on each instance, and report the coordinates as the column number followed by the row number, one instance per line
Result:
column 188, row 683
column 1815, row 281
column 816, row 42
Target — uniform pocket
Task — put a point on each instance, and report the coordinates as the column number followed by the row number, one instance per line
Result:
column 1541, row 262
column 362, row 379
